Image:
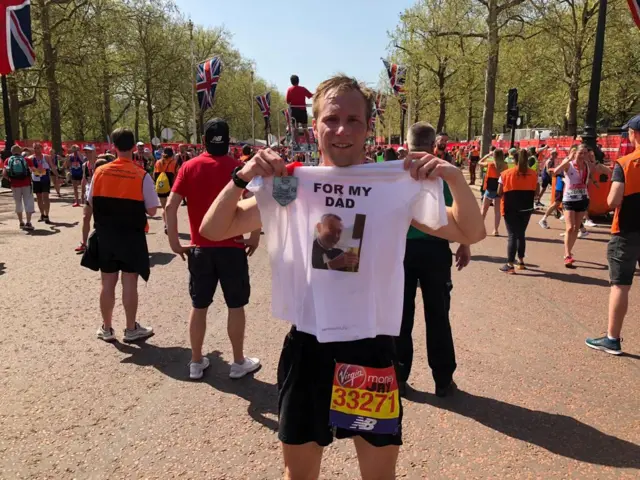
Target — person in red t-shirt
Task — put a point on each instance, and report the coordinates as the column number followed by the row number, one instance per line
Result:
column 297, row 101
column 200, row 181
column 21, row 189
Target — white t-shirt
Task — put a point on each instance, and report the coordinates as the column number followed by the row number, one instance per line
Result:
column 337, row 250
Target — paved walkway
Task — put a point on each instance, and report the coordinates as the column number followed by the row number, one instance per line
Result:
column 534, row 401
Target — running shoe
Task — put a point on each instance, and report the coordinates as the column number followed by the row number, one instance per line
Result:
column 543, row 223
column 605, row 344
column 496, row 233
column 583, row 234
column 106, row 335
column 138, row 333
column 28, row 227
column 506, row 268
column 46, row 220
column 239, row 370
column 539, row 204
column 521, row 266
column 590, row 223
column 41, row 219
column 21, row 225
column 76, row 204
column 561, row 218
column 80, row 248
column 558, row 214
column 569, row 261
column 196, row 369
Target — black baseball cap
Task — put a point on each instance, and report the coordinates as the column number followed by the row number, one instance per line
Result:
column 216, row 136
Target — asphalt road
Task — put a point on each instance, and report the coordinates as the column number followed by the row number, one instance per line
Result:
column 534, row 401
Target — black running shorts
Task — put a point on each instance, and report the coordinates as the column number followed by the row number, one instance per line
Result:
column 229, row 265
column 305, row 380
column 300, row 115
column 42, row 186
column 576, row 205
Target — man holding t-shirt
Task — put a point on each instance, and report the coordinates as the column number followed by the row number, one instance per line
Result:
column 341, row 341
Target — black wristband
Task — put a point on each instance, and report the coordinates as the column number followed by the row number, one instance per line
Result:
column 238, row 182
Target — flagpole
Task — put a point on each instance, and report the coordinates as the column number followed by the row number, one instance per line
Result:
column 278, row 117
column 194, row 138
column 253, row 123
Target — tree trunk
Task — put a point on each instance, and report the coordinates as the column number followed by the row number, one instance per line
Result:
column 136, row 122
column 49, row 62
column 147, row 85
column 490, row 77
column 25, row 126
column 571, row 115
column 442, row 98
column 14, row 106
column 470, row 118
column 416, row 102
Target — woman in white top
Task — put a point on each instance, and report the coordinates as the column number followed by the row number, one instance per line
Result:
column 577, row 169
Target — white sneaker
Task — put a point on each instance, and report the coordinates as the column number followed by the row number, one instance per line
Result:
column 240, row 370
column 561, row 218
column 543, row 223
column 106, row 335
column 590, row 223
column 583, row 234
column 196, row 369
column 137, row 333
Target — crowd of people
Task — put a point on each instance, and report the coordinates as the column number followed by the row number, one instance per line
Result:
column 346, row 362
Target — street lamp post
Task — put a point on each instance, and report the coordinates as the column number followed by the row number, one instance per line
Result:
column 590, row 134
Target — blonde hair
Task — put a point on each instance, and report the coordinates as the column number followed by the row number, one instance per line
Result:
column 498, row 157
column 340, row 84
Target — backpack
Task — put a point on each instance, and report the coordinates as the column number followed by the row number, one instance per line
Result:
column 17, row 168
column 162, row 182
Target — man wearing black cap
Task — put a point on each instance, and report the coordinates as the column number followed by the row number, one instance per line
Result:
column 200, row 180
column 623, row 252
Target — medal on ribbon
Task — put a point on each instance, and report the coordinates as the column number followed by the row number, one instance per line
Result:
column 285, row 190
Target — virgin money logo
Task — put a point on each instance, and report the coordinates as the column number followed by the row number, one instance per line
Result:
column 351, row 376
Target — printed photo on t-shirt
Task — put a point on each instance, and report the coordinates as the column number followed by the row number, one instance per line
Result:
column 337, row 242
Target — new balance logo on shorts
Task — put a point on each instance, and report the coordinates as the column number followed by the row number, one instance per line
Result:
column 362, row 423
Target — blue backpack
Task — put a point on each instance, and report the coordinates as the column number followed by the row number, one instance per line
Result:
column 17, row 168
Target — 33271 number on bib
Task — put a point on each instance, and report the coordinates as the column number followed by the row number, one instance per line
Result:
column 365, row 399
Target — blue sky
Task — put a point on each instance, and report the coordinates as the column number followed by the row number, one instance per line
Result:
column 313, row 39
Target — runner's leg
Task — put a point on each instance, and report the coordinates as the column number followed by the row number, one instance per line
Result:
column 40, row 204
column 376, row 463
column 497, row 214
column 235, row 329
column 86, row 223
column 108, row 297
column 76, row 186
column 130, row 298
column 618, row 306
column 46, row 203
column 197, row 330
column 163, row 204
column 486, row 203
column 302, row 461
column 18, row 200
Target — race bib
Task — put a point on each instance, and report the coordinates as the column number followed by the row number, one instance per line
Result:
column 365, row 399
column 577, row 193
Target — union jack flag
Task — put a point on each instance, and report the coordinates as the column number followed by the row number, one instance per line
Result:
column 397, row 77
column 381, row 104
column 372, row 122
column 16, row 48
column 264, row 102
column 634, row 5
column 207, row 77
